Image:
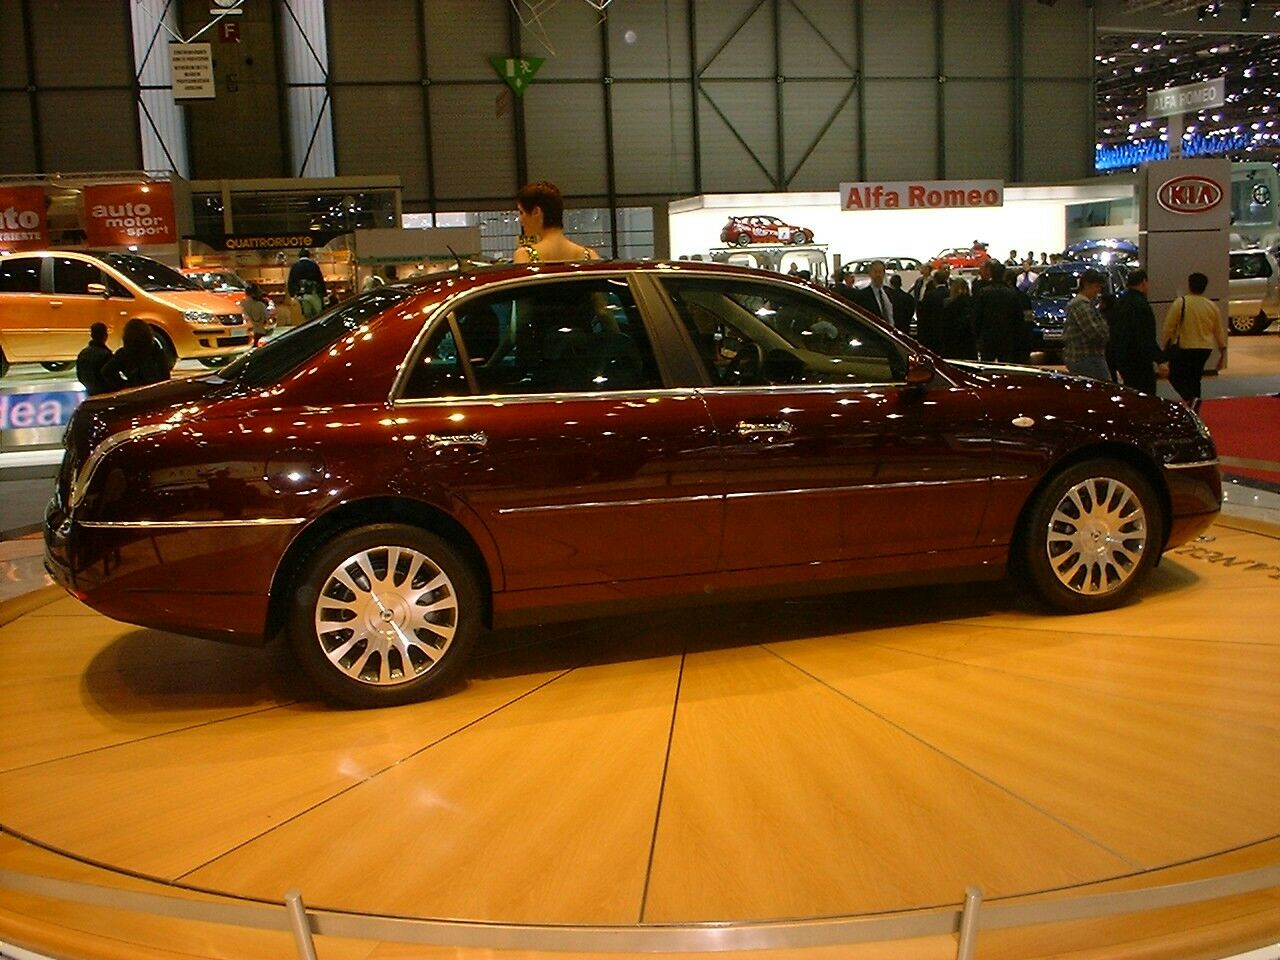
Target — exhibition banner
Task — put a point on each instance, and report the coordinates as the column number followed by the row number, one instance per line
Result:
column 921, row 194
column 23, row 225
column 125, row 214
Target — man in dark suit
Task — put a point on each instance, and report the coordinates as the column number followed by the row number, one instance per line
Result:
column 998, row 319
column 1133, row 345
column 904, row 307
column 874, row 297
column 929, row 329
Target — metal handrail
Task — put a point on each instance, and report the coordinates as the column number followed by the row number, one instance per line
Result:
column 691, row 937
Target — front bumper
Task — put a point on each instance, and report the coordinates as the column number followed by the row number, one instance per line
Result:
column 1195, row 499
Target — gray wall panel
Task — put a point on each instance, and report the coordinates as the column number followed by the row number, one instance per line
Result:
column 373, row 40
column 749, row 51
column 564, row 127
column 378, row 131
column 13, row 58
column 818, row 39
column 1058, row 127
column 899, row 39
column 474, row 149
column 975, row 39
column 90, row 130
column 1057, row 41
column 649, row 39
column 459, row 47
column 749, row 107
column 902, row 129
column 978, row 131
column 806, row 107
column 653, row 138
column 573, row 32
column 81, row 43
column 18, row 155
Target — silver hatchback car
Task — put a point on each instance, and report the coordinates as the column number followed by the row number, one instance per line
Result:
column 1254, row 291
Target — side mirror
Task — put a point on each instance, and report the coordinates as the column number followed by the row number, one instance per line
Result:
column 96, row 288
column 920, row 370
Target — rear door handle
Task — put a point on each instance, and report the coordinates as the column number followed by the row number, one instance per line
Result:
column 773, row 428
column 437, row 440
column 55, row 303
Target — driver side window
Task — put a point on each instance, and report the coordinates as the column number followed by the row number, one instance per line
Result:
column 766, row 335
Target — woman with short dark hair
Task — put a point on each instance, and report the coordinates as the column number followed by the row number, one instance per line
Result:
column 139, row 361
column 540, row 208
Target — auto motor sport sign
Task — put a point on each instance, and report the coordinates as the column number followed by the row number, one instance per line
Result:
column 922, row 195
column 124, row 214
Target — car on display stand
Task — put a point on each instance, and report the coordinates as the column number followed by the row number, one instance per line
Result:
column 50, row 299
column 225, row 283
column 742, row 231
column 1053, row 290
column 1121, row 252
column 527, row 443
column 962, row 260
column 1254, row 284
column 908, row 268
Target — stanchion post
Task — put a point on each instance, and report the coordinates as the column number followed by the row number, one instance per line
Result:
column 300, row 924
column 969, row 923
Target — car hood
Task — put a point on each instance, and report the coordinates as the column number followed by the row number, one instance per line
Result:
column 205, row 301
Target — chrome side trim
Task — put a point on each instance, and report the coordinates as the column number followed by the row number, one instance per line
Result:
column 506, row 398
column 186, row 524
column 80, row 486
column 594, row 504
column 1188, row 466
column 850, row 488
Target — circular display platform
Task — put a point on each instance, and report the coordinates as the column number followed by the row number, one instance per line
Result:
column 818, row 758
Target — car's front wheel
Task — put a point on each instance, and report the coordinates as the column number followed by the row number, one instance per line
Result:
column 385, row 614
column 214, row 362
column 1092, row 534
column 742, row 239
column 801, row 236
column 57, row 366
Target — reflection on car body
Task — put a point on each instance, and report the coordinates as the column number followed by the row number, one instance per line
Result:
column 526, row 443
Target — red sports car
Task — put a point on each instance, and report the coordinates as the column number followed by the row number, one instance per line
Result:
column 961, row 258
column 744, row 230
column 522, row 443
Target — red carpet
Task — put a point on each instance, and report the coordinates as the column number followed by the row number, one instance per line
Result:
column 1246, row 428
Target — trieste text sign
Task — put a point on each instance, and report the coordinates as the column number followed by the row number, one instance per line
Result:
column 23, row 225
column 921, row 194
column 1189, row 99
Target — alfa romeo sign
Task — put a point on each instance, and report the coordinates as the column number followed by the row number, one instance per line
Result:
column 1189, row 99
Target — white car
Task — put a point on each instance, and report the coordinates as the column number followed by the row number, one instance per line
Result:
column 908, row 268
column 1254, row 285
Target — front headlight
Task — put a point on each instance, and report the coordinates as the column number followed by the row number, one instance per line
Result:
column 197, row 316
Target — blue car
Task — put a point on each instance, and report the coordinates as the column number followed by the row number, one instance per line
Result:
column 1051, row 293
column 1104, row 251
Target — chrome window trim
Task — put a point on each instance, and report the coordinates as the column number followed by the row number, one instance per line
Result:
column 451, row 302
column 1189, row 466
column 80, row 486
column 505, row 398
column 187, row 524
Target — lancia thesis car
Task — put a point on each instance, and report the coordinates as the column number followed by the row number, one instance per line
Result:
column 536, row 442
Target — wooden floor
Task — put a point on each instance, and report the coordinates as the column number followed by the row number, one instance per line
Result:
column 781, row 760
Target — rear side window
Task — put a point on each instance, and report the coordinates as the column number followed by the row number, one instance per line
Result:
column 570, row 336
column 20, row 275
column 1249, row 266
column 73, row 276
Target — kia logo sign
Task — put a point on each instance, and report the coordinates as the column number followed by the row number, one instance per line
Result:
column 1189, row 195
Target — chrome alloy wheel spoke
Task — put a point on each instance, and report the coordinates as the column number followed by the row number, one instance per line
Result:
column 1096, row 536
column 386, row 615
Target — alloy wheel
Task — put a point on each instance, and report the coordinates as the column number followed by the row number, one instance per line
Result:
column 1096, row 537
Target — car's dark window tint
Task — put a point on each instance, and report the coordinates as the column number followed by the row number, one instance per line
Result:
column 20, row 275
column 1056, row 285
column 751, row 334
column 284, row 352
column 149, row 274
column 438, row 371
column 568, row 336
column 73, row 276
column 1249, row 266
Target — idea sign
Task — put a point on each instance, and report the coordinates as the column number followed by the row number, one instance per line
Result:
column 22, row 220
column 1189, row 194
column 125, row 214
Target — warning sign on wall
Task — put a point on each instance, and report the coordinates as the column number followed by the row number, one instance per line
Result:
column 192, row 66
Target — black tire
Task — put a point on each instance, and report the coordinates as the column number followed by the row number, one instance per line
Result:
column 801, row 237
column 166, row 345
column 364, row 675
column 215, row 362
column 4, row 364
column 1248, row 326
column 1123, row 523
column 742, row 239
column 57, row 366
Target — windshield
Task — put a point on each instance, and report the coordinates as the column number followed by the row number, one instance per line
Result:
column 148, row 274
column 282, row 354
column 1055, row 286
column 211, row 280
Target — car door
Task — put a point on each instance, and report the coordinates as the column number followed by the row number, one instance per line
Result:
column 1249, row 276
column 72, row 308
column 542, row 408
column 829, row 454
column 22, row 307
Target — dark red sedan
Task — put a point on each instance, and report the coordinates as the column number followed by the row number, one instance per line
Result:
column 546, row 441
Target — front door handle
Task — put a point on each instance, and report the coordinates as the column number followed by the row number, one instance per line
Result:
column 437, row 440
column 772, row 428
column 55, row 303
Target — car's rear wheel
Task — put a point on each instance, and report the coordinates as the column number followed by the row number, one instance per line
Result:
column 385, row 615
column 57, row 366
column 742, row 239
column 1091, row 536
column 214, row 362
column 1248, row 326
column 4, row 364
column 166, row 346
